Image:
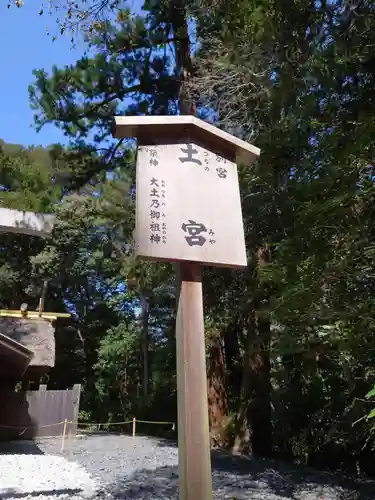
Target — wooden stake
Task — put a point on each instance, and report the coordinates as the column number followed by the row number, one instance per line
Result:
column 42, row 298
column 63, row 435
column 134, row 421
column 193, row 430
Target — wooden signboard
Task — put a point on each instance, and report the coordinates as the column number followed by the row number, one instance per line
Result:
column 188, row 206
column 188, row 211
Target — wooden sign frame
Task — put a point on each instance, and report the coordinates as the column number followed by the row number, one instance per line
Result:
column 189, row 134
column 176, row 220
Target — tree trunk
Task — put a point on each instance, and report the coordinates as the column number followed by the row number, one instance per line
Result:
column 260, row 408
column 232, row 353
column 183, row 58
column 217, row 393
column 242, row 442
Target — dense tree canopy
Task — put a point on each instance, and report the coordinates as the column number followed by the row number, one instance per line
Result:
column 290, row 340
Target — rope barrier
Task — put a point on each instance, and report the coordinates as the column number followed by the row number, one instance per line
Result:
column 84, row 423
column 106, row 423
column 33, row 426
column 65, row 423
column 93, row 424
column 154, row 422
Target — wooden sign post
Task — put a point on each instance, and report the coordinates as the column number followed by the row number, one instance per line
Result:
column 188, row 211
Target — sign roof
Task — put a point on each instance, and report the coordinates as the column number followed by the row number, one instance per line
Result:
column 146, row 126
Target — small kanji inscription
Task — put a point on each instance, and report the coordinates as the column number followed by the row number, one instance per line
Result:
column 155, row 204
column 155, row 238
column 222, row 173
column 154, row 214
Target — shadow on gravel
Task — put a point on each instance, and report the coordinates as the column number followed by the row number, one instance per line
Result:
column 166, row 443
column 245, row 479
column 10, row 493
column 20, row 448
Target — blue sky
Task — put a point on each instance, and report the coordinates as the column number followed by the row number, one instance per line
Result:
column 26, row 46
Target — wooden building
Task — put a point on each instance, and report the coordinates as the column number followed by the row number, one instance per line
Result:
column 26, row 345
column 27, row 352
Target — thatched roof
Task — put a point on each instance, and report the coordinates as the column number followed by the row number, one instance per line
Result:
column 37, row 335
column 14, row 357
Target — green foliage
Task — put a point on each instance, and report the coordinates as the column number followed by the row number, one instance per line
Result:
column 25, row 179
column 117, row 368
column 369, row 417
column 26, row 184
column 295, row 330
column 293, row 77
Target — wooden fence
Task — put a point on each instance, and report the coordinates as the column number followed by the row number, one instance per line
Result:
column 38, row 413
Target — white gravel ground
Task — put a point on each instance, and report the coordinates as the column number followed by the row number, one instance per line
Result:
column 44, row 476
column 120, row 468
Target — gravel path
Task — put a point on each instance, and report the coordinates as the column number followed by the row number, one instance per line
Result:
column 120, row 467
column 43, row 476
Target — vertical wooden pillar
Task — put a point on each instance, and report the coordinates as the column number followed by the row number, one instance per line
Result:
column 76, row 394
column 193, row 430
